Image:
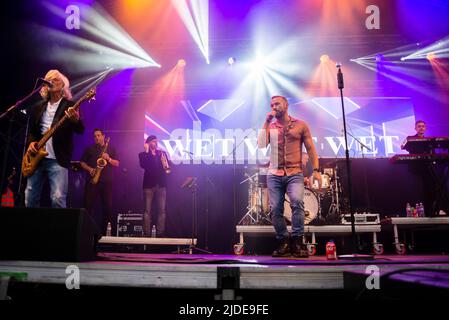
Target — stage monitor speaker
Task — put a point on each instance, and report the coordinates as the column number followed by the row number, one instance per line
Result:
column 46, row 234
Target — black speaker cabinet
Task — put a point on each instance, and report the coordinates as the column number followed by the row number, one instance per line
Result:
column 45, row 234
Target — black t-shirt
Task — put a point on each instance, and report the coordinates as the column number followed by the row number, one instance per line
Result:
column 90, row 156
column 154, row 171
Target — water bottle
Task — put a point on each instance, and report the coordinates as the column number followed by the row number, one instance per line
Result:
column 421, row 210
column 153, row 231
column 408, row 210
column 108, row 230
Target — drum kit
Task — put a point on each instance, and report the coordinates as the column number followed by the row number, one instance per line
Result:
column 321, row 205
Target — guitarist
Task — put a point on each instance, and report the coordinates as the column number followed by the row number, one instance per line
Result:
column 55, row 166
column 104, row 186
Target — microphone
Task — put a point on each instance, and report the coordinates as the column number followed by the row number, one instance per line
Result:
column 271, row 116
column 340, row 76
column 46, row 82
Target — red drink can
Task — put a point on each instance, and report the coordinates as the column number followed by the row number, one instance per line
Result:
column 331, row 251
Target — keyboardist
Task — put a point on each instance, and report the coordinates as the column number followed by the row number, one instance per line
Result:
column 421, row 171
column 420, row 128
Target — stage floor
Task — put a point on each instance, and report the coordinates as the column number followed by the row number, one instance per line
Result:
column 185, row 271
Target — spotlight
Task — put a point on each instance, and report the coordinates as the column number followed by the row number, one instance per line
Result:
column 379, row 57
column 431, row 56
column 324, row 58
column 181, row 63
column 259, row 65
column 231, row 61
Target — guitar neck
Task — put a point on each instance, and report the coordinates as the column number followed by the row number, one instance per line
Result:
column 49, row 133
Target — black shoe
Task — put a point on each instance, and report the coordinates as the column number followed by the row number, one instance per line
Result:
column 283, row 249
column 299, row 248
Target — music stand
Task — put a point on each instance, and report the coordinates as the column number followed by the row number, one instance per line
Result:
column 191, row 183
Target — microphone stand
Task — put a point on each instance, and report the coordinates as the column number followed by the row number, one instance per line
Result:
column 362, row 145
column 354, row 255
column 8, row 141
column 18, row 103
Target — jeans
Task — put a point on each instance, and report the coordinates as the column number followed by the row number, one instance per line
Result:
column 161, row 194
column 294, row 187
column 59, row 179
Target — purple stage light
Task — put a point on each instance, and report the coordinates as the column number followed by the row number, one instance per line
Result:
column 379, row 58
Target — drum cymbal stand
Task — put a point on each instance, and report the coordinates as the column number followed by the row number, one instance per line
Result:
column 251, row 214
column 319, row 220
column 334, row 208
column 255, row 206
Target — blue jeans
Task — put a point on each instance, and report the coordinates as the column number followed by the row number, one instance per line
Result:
column 160, row 193
column 58, row 177
column 294, row 187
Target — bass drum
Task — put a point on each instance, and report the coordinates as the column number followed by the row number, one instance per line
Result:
column 311, row 207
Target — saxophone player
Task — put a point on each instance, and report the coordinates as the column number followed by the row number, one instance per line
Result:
column 94, row 156
column 156, row 164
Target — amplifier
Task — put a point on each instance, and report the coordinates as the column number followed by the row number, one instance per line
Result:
column 129, row 225
column 361, row 218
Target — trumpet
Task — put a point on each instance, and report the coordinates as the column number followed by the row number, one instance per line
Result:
column 101, row 163
column 165, row 163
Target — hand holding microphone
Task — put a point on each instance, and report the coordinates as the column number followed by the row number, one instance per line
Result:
column 270, row 116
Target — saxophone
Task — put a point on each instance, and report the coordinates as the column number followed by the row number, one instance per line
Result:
column 165, row 162
column 101, row 163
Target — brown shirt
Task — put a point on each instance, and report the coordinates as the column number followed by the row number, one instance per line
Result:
column 286, row 146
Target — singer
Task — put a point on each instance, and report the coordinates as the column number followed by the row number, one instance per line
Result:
column 154, row 183
column 56, row 103
column 286, row 136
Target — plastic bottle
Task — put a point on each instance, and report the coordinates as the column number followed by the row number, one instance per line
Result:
column 153, row 231
column 416, row 212
column 408, row 210
column 108, row 230
column 421, row 210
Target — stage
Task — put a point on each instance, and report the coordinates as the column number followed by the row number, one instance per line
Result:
column 180, row 134
column 230, row 275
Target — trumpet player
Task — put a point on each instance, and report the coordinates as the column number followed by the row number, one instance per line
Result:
column 156, row 164
column 100, row 156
